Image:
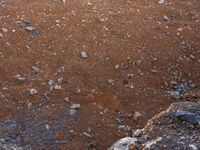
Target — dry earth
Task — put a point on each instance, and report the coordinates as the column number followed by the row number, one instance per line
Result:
column 116, row 58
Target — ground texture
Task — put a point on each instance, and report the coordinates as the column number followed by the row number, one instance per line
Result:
column 82, row 74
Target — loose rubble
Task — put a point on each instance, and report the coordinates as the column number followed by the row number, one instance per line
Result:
column 81, row 74
column 166, row 131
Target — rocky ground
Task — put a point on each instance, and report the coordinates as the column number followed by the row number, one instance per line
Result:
column 176, row 128
column 82, row 74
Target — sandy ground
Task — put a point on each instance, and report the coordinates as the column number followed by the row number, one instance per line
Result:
column 136, row 50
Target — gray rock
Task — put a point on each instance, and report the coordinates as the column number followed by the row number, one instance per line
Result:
column 122, row 127
column 20, row 79
column 175, row 94
column 111, row 81
column 193, row 147
column 34, row 69
column 73, row 112
column 27, row 26
column 187, row 117
column 137, row 133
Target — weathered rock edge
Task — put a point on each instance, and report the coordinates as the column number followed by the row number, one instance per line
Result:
column 166, row 131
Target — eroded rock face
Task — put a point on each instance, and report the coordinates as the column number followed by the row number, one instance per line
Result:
column 176, row 128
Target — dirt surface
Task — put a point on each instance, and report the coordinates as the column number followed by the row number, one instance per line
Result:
column 113, row 57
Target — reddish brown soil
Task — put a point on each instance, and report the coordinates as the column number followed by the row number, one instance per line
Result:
column 111, row 32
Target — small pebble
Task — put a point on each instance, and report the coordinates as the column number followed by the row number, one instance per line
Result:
column 33, row 91
column 84, row 55
column 20, row 79
column 75, row 106
column 35, row 69
column 111, row 82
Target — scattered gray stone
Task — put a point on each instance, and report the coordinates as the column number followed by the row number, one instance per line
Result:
column 111, row 82
column 35, row 32
column 179, row 91
column 35, row 69
column 121, row 66
column 27, row 26
column 175, row 94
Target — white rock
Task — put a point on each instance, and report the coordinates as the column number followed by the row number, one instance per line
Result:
column 193, row 147
column 84, row 55
column 33, row 91
column 137, row 133
column 30, row 28
column 161, row 1
column 75, row 106
column 47, row 127
column 123, row 144
column 57, row 87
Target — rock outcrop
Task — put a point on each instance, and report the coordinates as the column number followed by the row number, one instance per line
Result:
column 177, row 128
